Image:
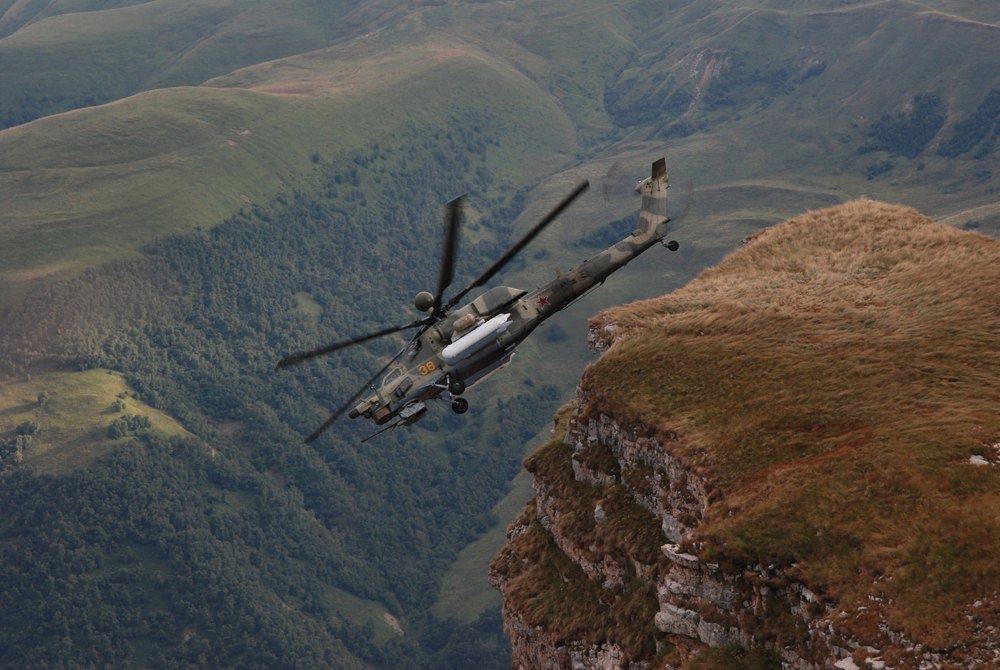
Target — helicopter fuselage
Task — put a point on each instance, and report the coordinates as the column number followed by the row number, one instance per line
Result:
column 479, row 338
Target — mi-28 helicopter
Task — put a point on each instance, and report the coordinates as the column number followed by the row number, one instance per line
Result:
column 457, row 348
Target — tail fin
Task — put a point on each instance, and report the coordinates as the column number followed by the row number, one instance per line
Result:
column 653, row 217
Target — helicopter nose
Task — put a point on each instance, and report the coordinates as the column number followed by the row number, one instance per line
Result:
column 381, row 415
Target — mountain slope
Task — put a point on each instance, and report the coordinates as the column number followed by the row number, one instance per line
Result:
column 718, row 84
column 62, row 55
column 810, row 429
column 90, row 185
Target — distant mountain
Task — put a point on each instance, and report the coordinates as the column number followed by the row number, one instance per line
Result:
column 192, row 190
column 61, row 55
column 766, row 108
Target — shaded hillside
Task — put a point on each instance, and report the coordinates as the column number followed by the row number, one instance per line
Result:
column 812, row 423
column 60, row 56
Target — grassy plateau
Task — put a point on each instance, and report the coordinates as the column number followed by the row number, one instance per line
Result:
column 839, row 378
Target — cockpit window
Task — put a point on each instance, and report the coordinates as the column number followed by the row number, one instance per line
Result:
column 393, row 375
column 413, row 350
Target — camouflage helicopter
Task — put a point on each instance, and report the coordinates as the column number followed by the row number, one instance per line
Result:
column 455, row 349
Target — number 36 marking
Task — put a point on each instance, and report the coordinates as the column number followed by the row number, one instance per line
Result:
column 427, row 368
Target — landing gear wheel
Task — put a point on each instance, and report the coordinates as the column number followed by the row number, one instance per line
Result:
column 459, row 405
column 456, row 386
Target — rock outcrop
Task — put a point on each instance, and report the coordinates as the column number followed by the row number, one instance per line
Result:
column 693, row 508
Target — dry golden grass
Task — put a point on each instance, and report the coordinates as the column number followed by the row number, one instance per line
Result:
column 834, row 377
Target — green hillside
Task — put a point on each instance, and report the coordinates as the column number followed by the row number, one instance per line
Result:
column 227, row 182
column 64, row 55
column 77, row 410
column 99, row 183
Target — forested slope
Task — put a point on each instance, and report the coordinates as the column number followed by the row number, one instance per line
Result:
column 195, row 325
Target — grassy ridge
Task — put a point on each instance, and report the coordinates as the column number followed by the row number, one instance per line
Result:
column 94, row 184
column 74, row 417
column 72, row 52
column 836, row 377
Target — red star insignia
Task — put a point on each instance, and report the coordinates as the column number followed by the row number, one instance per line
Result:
column 542, row 301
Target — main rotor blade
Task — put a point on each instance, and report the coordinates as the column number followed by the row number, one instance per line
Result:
column 343, row 408
column 521, row 244
column 295, row 359
column 449, row 251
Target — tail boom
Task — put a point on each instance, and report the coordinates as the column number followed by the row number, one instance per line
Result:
column 651, row 229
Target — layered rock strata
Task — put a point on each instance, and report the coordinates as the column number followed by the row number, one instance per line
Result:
column 604, row 496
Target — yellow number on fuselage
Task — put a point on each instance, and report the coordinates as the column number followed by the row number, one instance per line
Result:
column 427, row 368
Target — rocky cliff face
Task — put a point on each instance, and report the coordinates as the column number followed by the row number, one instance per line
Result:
column 652, row 542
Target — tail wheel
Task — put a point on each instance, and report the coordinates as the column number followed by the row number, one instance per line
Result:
column 459, row 405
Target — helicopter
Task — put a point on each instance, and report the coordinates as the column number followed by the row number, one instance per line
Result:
column 456, row 348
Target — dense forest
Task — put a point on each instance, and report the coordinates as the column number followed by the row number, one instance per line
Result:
column 243, row 531
column 982, row 124
column 907, row 133
column 910, row 132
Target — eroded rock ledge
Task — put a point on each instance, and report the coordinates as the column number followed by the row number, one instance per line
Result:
column 604, row 495
column 793, row 456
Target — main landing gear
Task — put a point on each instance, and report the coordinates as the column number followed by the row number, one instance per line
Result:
column 456, row 387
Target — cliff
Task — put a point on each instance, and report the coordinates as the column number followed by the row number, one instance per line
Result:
column 792, row 461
